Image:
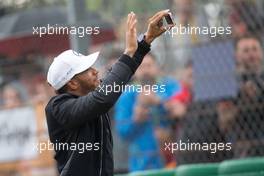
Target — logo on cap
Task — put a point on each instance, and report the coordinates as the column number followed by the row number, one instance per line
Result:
column 76, row 53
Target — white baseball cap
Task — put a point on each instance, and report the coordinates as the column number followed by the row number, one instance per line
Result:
column 66, row 65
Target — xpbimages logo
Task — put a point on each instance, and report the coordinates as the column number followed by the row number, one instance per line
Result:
column 196, row 30
column 80, row 31
column 146, row 89
column 58, row 146
column 196, row 146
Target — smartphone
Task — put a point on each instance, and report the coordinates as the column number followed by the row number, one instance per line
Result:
column 168, row 19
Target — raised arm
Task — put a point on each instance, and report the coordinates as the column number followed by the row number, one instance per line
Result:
column 72, row 112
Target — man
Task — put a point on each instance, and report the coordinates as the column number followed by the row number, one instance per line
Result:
column 249, row 55
column 141, row 118
column 249, row 121
column 242, row 120
column 78, row 114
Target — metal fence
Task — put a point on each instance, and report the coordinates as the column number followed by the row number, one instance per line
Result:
column 216, row 114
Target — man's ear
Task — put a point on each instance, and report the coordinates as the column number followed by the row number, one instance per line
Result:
column 73, row 84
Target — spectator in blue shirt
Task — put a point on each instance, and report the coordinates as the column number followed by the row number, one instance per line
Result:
column 140, row 115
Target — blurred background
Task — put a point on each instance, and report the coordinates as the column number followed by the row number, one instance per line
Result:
column 214, row 85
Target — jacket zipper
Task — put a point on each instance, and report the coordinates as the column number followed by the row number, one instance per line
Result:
column 102, row 138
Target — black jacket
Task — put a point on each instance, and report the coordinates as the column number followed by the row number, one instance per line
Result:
column 77, row 122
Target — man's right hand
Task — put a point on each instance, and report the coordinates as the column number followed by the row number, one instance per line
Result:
column 131, row 35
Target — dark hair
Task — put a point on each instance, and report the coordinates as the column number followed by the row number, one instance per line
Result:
column 247, row 36
column 62, row 90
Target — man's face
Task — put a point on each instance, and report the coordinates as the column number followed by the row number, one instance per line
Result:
column 249, row 54
column 88, row 80
column 148, row 69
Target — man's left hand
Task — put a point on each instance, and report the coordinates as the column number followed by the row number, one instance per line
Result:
column 154, row 29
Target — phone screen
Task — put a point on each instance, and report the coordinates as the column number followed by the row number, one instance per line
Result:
column 168, row 19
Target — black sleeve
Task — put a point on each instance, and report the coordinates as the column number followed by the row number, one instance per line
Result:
column 72, row 112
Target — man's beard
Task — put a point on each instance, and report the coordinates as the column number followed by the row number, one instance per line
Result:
column 86, row 88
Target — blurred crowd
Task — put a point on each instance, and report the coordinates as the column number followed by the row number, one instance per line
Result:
column 144, row 122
